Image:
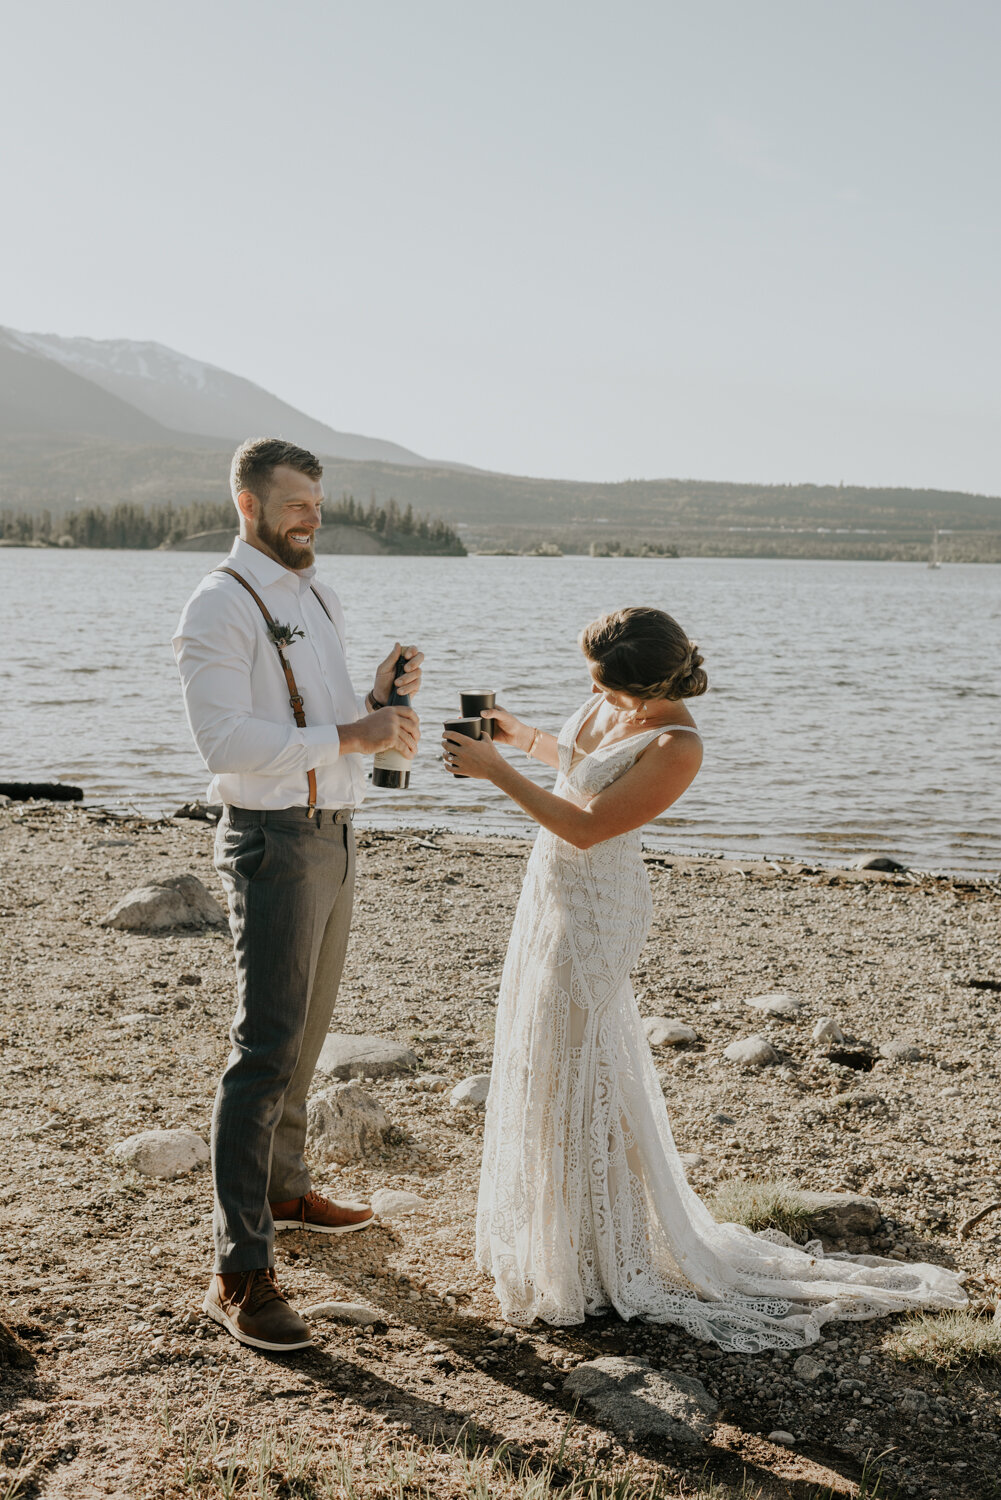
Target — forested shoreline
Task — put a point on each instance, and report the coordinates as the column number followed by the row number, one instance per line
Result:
column 138, row 527
column 401, row 530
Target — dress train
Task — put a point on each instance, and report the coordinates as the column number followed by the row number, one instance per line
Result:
column 584, row 1205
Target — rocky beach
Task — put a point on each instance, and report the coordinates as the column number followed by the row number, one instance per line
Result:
column 864, row 1009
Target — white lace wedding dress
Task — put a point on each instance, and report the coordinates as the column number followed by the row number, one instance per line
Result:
column 583, row 1204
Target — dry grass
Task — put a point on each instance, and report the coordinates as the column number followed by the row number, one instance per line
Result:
column 201, row 1462
column 762, row 1203
column 946, row 1340
column 15, row 1477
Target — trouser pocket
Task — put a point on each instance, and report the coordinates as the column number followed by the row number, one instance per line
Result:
column 242, row 853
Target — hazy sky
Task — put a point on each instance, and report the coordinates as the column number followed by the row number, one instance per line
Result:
column 714, row 239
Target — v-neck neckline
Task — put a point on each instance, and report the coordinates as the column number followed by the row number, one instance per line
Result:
column 576, row 758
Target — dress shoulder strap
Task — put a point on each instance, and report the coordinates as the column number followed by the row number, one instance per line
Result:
column 628, row 749
column 648, row 738
column 566, row 740
column 571, row 727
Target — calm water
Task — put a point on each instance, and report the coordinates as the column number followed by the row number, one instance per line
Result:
column 854, row 706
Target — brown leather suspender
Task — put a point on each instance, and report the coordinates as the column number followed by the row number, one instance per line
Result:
column 294, row 696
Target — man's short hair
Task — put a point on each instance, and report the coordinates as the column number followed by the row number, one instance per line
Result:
column 255, row 461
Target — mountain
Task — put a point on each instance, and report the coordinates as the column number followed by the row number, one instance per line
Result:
column 39, row 396
column 177, row 394
column 95, row 422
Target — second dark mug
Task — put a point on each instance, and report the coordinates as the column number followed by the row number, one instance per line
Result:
column 471, row 728
column 474, row 704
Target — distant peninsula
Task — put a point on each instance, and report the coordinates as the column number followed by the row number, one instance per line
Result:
column 348, row 528
column 483, row 512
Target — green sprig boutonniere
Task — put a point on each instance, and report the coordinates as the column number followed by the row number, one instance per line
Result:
column 284, row 635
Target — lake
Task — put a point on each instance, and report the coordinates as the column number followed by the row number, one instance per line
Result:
column 853, row 708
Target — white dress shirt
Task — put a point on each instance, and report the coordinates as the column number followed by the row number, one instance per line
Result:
column 236, row 696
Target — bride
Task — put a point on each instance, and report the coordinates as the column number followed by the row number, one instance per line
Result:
column 584, row 1205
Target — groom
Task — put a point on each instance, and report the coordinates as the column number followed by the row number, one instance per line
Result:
column 260, row 650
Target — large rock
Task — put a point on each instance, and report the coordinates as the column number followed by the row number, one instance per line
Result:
column 776, row 1003
column 900, row 1050
column 344, row 1124
column 175, row 901
column 885, row 862
column 345, row 1056
column 343, row 1312
column 809, row 1369
column 835, row 1215
column 750, row 1052
column 636, row 1401
column 390, row 1203
column 661, row 1031
column 472, row 1092
column 162, row 1153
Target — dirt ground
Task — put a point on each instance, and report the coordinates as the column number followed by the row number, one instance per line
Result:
column 106, row 1033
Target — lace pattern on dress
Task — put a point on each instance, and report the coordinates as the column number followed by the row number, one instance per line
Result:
column 584, row 1204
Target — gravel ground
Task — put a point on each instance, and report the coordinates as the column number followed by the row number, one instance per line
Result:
column 106, row 1033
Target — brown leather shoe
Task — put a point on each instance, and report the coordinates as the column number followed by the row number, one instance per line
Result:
column 255, row 1312
column 321, row 1215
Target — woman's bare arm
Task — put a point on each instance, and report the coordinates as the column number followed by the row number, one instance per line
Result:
column 647, row 789
column 511, row 731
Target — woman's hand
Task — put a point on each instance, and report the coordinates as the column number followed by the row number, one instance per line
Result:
column 408, row 681
column 507, row 729
column 467, row 757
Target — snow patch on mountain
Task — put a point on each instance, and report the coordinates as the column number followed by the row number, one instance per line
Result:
column 145, row 361
column 188, row 395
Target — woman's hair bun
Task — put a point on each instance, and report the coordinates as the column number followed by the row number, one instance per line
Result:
column 690, row 681
column 644, row 651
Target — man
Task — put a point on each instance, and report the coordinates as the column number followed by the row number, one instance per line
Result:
column 276, row 720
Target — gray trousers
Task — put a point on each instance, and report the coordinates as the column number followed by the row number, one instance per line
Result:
column 290, row 884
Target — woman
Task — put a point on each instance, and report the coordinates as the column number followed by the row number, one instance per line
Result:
column 584, row 1205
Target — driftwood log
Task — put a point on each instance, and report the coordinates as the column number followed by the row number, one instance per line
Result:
column 201, row 812
column 40, row 791
column 970, row 1224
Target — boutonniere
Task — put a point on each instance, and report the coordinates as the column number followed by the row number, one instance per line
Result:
column 284, row 635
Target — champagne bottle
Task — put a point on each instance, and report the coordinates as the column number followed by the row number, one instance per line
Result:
column 391, row 768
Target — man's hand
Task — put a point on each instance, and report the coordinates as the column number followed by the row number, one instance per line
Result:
column 386, row 729
column 408, row 682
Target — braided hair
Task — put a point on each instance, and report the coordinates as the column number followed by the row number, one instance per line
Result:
column 645, row 652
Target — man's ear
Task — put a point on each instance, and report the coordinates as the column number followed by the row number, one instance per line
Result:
column 246, row 504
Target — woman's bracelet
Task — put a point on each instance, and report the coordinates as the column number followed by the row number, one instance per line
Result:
column 376, row 705
column 535, row 740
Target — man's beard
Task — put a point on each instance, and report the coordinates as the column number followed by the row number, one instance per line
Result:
column 286, row 551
